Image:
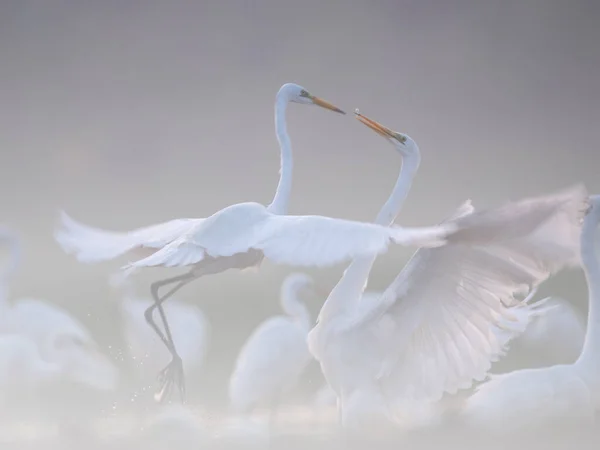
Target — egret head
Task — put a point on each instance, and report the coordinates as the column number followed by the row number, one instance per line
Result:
column 404, row 143
column 297, row 283
column 301, row 285
column 295, row 93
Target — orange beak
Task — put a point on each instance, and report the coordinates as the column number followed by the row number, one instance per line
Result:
column 375, row 126
column 325, row 104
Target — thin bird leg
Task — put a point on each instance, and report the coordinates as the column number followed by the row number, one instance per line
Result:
column 148, row 314
column 173, row 372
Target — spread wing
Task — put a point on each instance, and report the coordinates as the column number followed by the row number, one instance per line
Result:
column 452, row 310
column 293, row 240
column 90, row 244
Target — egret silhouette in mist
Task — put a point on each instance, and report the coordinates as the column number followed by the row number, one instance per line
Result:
column 451, row 310
column 41, row 343
column 555, row 395
column 241, row 236
column 276, row 354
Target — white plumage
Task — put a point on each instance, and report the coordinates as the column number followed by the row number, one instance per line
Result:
column 237, row 237
column 246, row 227
column 450, row 312
column 555, row 337
column 276, row 353
column 295, row 240
column 61, row 339
column 566, row 393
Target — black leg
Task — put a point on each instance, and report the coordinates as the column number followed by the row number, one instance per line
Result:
column 173, row 373
column 148, row 314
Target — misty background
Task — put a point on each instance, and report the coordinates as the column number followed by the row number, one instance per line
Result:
column 126, row 114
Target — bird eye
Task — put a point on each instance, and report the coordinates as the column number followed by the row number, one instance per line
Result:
column 303, row 93
column 401, row 138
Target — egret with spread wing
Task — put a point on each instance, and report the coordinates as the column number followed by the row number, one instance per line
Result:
column 450, row 311
column 241, row 236
column 554, row 395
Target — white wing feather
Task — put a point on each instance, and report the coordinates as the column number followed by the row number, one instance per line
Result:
column 90, row 244
column 294, row 240
column 452, row 310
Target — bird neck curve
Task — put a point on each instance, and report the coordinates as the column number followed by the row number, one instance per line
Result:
column 281, row 200
column 346, row 295
column 590, row 354
column 294, row 307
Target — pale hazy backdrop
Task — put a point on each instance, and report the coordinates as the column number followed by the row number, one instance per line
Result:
column 131, row 113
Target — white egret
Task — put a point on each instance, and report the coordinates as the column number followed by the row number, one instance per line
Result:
column 556, row 395
column 241, row 236
column 450, row 311
column 60, row 337
column 276, row 354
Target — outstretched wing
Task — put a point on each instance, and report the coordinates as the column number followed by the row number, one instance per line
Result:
column 294, row 240
column 452, row 310
column 90, row 244
column 324, row 241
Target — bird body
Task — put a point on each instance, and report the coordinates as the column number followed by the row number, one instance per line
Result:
column 450, row 312
column 275, row 354
column 262, row 376
column 240, row 236
column 245, row 233
column 545, row 396
column 60, row 338
column 177, row 246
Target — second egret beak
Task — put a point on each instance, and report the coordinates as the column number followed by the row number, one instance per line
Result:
column 375, row 126
column 325, row 104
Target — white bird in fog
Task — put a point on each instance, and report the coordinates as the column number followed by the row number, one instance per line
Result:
column 555, row 337
column 191, row 332
column 241, row 236
column 559, row 394
column 450, row 311
column 23, row 371
column 61, row 339
column 276, row 354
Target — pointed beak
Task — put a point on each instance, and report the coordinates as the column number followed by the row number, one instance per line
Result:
column 325, row 104
column 375, row 126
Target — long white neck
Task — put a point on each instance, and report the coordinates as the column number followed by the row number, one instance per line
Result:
column 346, row 294
column 589, row 359
column 294, row 307
column 281, row 200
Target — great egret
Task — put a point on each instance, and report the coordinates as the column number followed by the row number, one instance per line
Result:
column 241, row 236
column 60, row 337
column 191, row 332
column 276, row 354
column 559, row 394
column 450, row 311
